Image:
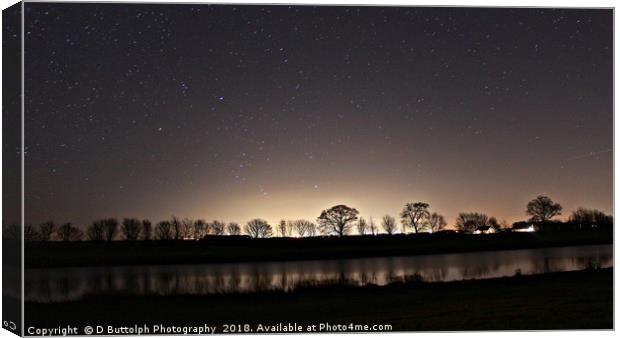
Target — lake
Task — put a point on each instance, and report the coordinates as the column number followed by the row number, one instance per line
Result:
column 62, row 284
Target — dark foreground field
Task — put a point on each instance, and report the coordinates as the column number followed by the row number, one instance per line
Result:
column 243, row 249
column 566, row 300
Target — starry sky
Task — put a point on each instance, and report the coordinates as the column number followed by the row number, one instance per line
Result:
column 278, row 112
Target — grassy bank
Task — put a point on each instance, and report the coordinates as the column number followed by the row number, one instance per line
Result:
column 566, row 300
column 239, row 249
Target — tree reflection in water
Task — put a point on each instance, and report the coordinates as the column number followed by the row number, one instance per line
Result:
column 72, row 283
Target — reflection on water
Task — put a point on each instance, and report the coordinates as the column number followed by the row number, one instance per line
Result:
column 58, row 284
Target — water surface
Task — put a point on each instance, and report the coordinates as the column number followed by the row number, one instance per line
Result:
column 61, row 284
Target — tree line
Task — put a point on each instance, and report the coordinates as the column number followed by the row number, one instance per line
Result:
column 339, row 220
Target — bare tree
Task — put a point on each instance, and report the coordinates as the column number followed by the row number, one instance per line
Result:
column 372, row 226
column 164, row 230
column 110, row 228
column 147, row 230
column 389, row 224
column 46, row 230
column 217, row 228
column 285, row 228
column 337, row 220
column 233, row 229
column 131, row 229
column 469, row 222
column 362, row 226
column 258, row 228
column 312, row 229
column 187, row 228
column 96, row 231
column 303, row 227
column 542, row 209
column 436, row 222
column 177, row 227
column 68, row 232
column 415, row 216
column 200, row 228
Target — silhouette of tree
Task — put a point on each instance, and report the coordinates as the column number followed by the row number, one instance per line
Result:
column 30, row 233
column 469, row 222
column 362, row 226
column 372, row 226
column 436, row 222
column 493, row 223
column 131, row 229
column 147, row 230
column 312, row 229
column 337, row 220
column 46, row 230
column 200, row 228
column 233, row 229
column 217, row 228
column 164, row 231
column 590, row 218
column 303, row 227
column 285, row 228
column 96, row 231
column 542, row 209
column 258, row 228
column 415, row 216
column 68, row 232
column 110, row 228
column 187, row 228
column 389, row 224
column 177, row 227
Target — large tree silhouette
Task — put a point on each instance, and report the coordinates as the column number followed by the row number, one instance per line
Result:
column 337, row 220
column 542, row 209
column 258, row 228
column 415, row 216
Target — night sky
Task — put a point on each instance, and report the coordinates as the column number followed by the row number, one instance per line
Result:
column 279, row 112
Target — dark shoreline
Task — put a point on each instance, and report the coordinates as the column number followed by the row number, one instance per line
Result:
column 225, row 249
column 562, row 300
